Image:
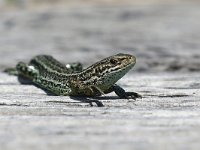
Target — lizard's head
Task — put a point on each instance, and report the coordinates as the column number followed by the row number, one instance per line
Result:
column 109, row 70
column 116, row 64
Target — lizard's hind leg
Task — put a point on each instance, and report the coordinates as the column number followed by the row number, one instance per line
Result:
column 74, row 67
column 26, row 71
column 53, row 64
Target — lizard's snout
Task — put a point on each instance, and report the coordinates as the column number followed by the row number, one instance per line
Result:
column 131, row 59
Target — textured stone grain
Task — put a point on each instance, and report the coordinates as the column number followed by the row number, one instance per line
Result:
column 163, row 36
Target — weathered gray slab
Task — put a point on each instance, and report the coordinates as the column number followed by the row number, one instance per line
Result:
column 168, row 116
column 165, row 39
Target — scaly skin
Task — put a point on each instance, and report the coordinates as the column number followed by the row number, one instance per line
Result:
column 70, row 79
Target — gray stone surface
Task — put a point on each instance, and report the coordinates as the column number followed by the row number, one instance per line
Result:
column 165, row 39
column 168, row 116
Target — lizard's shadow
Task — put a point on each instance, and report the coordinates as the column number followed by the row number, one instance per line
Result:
column 83, row 99
column 94, row 99
column 89, row 100
column 24, row 81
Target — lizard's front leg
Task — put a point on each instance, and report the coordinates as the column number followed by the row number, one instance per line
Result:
column 123, row 94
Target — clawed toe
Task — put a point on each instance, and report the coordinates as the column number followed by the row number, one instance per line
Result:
column 133, row 95
column 98, row 103
column 136, row 95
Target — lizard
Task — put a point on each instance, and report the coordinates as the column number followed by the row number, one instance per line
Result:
column 72, row 80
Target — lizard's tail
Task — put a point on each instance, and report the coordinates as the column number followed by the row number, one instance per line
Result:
column 11, row 71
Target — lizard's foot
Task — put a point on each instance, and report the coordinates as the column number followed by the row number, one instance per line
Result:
column 74, row 67
column 132, row 95
column 99, row 104
column 123, row 94
column 88, row 100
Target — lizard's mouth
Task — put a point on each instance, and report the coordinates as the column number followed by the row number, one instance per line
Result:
column 132, row 59
column 129, row 62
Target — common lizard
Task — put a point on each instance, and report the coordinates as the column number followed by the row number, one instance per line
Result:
column 59, row 79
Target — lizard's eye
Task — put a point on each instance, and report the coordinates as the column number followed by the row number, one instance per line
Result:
column 113, row 61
